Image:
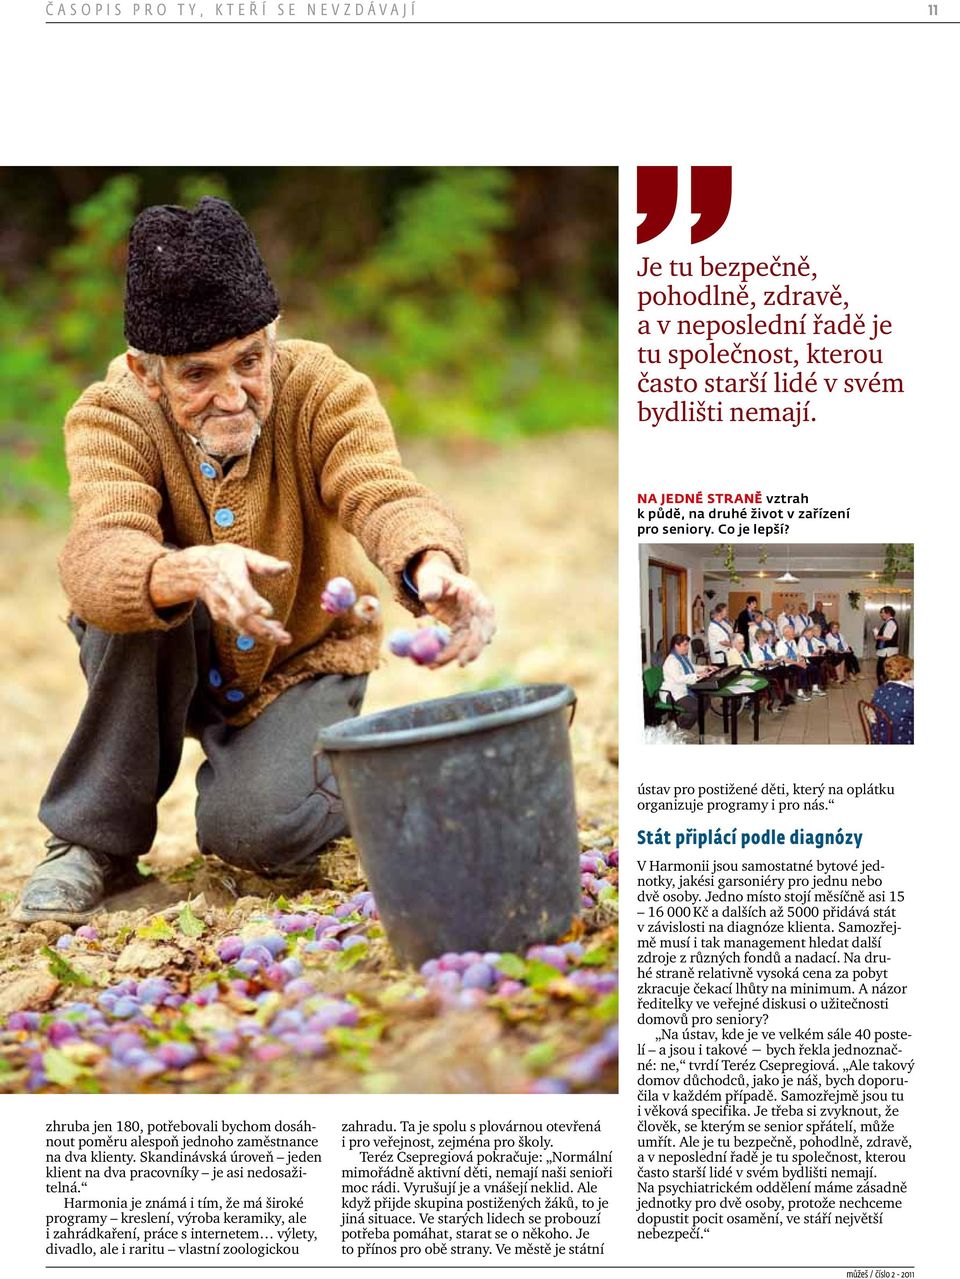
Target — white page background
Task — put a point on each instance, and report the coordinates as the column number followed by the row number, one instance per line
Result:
column 843, row 146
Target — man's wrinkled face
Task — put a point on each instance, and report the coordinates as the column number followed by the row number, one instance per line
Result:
column 222, row 397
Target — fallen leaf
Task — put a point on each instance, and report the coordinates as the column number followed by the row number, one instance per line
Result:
column 189, row 924
column 59, row 1069
column 540, row 1056
column 350, row 957
column 60, row 969
column 512, row 966
column 157, row 930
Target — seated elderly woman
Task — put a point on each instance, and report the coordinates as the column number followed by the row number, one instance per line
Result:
column 763, row 657
column 679, row 673
column 840, row 655
column 737, row 656
column 795, row 664
column 895, row 698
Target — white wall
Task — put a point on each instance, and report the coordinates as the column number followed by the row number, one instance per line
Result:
column 814, row 588
column 695, row 558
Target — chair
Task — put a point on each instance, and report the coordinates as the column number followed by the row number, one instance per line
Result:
column 656, row 704
column 877, row 724
column 699, row 650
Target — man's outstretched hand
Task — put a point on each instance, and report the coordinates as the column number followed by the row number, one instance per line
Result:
column 219, row 576
column 458, row 603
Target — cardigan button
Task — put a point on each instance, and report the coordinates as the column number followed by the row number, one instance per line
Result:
column 214, row 678
column 223, row 517
column 245, row 643
column 208, row 470
column 234, row 695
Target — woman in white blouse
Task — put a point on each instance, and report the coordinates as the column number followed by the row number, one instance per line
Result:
column 795, row 663
column 841, row 655
column 719, row 635
column 762, row 652
column 814, row 650
column 769, row 624
column 886, row 636
column 679, row 673
column 738, row 654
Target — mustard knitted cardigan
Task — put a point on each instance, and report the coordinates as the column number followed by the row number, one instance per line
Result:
column 324, row 471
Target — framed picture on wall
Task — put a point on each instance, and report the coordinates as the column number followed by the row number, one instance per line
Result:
column 696, row 614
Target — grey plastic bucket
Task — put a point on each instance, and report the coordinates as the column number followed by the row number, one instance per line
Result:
column 464, row 815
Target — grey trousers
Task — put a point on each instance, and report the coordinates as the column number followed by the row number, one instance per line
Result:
column 258, row 804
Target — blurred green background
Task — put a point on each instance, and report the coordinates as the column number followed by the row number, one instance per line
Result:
column 482, row 301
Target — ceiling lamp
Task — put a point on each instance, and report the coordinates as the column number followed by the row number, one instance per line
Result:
column 787, row 576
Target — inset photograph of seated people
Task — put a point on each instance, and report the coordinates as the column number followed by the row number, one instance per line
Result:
column 753, row 644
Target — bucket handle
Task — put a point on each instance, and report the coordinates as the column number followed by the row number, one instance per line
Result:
column 320, row 784
column 573, row 710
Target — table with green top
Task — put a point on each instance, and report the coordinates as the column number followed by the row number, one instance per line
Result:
column 719, row 685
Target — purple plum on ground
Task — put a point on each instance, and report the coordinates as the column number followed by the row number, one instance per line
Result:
column 269, row 1052
column 176, row 1055
column 153, row 990
column 549, row 1085
column 479, row 976
column 306, row 1044
column 276, row 943
column 126, row 1007
column 230, row 949
column 555, row 956
column 509, row 987
column 300, row 988
column 448, row 979
column 258, row 953
column 325, row 943
column 287, row 1019
column 292, row 924
column 60, row 1031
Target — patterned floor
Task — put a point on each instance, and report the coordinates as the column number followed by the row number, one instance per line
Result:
column 823, row 721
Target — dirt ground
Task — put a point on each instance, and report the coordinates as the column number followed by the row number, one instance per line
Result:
column 540, row 518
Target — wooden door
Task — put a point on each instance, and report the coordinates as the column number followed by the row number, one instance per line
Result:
column 736, row 603
column 670, row 601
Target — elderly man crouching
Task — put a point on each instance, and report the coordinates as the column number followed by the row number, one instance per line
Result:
column 218, row 479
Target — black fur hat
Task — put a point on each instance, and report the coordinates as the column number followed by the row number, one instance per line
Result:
column 195, row 278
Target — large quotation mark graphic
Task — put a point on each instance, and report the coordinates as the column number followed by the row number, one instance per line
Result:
column 711, row 189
